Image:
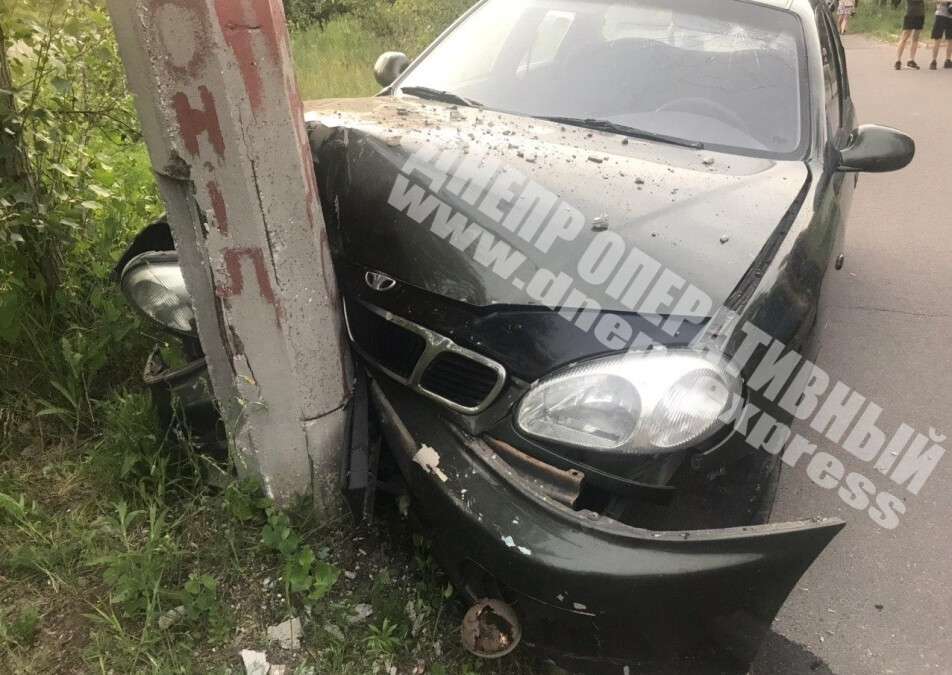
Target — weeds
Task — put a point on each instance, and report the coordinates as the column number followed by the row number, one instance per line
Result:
column 384, row 640
column 20, row 630
column 203, row 607
column 303, row 574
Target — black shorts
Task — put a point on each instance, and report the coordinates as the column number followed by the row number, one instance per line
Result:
column 913, row 22
column 942, row 28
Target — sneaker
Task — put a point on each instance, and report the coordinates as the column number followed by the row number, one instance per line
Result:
column 947, row 64
column 898, row 65
column 912, row 64
column 933, row 65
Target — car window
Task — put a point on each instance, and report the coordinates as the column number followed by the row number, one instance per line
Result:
column 551, row 32
column 831, row 80
column 726, row 73
column 476, row 46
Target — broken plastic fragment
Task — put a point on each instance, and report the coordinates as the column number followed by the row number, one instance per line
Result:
column 511, row 543
column 429, row 461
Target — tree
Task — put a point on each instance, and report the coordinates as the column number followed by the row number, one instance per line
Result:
column 11, row 157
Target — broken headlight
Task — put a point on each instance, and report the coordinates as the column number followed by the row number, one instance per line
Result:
column 153, row 284
column 639, row 402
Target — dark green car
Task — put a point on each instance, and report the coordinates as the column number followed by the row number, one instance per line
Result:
column 564, row 450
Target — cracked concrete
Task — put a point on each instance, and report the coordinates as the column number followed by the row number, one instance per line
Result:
column 216, row 96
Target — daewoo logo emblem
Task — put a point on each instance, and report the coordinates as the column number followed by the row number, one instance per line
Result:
column 380, row 282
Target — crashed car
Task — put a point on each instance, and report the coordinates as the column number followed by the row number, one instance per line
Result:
column 587, row 499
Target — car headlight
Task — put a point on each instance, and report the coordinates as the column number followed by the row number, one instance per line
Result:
column 638, row 402
column 153, row 284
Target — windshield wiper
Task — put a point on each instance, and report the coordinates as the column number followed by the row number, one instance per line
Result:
column 615, row 128
column 440, row 95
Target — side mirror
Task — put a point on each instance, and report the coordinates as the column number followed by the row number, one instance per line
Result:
column 876, row 149
column 389, row 66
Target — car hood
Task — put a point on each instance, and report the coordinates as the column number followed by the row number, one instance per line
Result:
column 701, row 214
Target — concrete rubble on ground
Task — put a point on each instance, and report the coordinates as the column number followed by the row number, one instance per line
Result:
column 256, row 663
column 287, row 633
column 361, row 612
column 171, row 617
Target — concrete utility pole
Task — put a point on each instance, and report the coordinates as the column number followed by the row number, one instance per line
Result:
column 216, row 93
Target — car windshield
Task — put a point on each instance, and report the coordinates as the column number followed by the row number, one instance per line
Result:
column 725, row 73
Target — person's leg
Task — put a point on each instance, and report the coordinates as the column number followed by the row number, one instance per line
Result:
column 948, row 53
column 914, row 47
column 903, row 39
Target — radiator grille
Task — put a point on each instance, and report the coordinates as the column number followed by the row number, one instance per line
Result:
column 459, row 379
column 425, row 361
column 389, row 345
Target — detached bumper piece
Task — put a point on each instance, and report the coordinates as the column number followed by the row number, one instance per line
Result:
column 185, row 403
column 590, row 593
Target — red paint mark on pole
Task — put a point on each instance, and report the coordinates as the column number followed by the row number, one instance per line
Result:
column 239, row 29
column 233, row 259
column 194, row 121
column 218, row 206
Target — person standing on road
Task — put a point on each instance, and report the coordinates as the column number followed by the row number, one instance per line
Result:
column 912, row 24
column 942, row 29
column 844, row 11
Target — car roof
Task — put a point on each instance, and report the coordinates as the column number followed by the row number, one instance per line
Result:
column 796, row 5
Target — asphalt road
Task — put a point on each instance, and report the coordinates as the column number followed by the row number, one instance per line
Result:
column 880, row 601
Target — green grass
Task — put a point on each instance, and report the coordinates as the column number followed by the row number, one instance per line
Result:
column 118, row 555
column 337, row 62
column 884, row 22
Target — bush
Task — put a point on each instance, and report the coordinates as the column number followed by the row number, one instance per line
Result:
column 410, row 25
column 303, row 13
column 75, row 186
column 406, row 25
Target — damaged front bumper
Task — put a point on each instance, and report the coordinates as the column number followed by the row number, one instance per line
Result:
column 590, row 592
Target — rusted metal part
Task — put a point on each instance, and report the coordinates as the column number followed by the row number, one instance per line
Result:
column 490, row 629
column 562, row 486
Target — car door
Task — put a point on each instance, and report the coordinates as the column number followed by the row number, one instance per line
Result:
column 834, row 188
column 846, row 117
